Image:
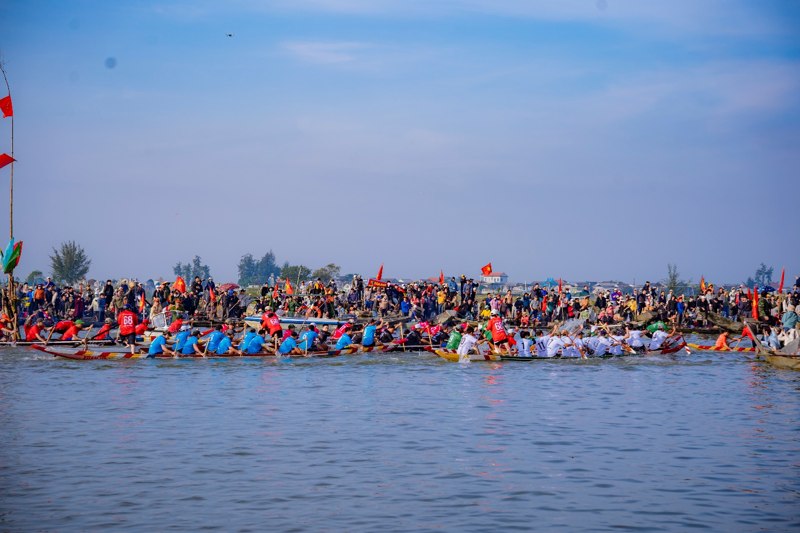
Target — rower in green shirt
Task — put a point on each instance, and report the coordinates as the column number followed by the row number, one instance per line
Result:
column 454, row 340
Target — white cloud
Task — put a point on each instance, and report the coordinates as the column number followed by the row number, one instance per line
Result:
column 325, row 53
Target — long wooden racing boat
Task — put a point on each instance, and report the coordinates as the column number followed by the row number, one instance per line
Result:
column 122, row 353
column 710, row 348
column 787, row 357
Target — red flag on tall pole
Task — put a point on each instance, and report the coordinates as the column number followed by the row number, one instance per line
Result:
column 288, row 289
column 380, row 273
column 6, row 159
column 6, row 107
column 441, row 277
column 142, row 302
column 755, row 303
column 783, row 275
column 212, row 295
column 702, row 285
column 486, row 269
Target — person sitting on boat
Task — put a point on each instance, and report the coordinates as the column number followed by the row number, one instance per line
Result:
column 225, row 345
column 658, row 338
column 159, row 346
column 33, row 332
column 368, row 338
column 72, row 332
column 289, row 346
column 789, row 319
column 180, row 338
column 191, row 345
column 469, row 343
column 62, row 326
column 214, row 339
column 722, row 343
column 618, row 346
column 601, row 345
column 454, row 340
column 272, row 323
column 308, row 338
column 344, row 341
column 255, row 344
column 104, row 332
column 413, row 339
column 525, row 343
column 634, row 339
column 573, row 346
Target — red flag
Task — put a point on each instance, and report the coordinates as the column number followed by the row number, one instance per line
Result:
column 780, row 287
column 755, row 304
column 179, row 285
column 142, row 302
column 559, row 286
column 212, row 295
column 380, row 273
column 6, row 159
column 747, row 333
column 702, row 285
column 6, row 107
column 441, row 277
column 486, row 269
column 288, row 289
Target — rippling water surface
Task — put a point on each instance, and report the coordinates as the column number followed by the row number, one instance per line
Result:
column 401, row 442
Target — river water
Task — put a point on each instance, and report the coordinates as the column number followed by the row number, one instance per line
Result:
column 398, row 442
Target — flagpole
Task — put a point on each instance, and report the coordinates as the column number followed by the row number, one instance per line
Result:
column 12, row 303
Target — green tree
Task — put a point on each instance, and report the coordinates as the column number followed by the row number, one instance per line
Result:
column 295, row 273
column 33, row 276
column 327, row 273
column 69, row 263
column 762, row 278
column 195, row 267
column 252, row 272
column 673, row 281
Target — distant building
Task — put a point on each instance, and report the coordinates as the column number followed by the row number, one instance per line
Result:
column 495, row 278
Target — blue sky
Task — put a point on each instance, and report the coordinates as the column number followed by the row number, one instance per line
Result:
column 582, row 139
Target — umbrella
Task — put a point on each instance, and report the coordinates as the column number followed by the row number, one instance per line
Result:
column 227, row 286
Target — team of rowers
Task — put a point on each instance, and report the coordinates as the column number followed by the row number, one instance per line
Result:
column 180, row 339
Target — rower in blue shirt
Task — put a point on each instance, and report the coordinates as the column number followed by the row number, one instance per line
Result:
column 368, row 339
column 159, row 346
column 214, row 339
column 247, row 338
column 307, row 338
column 192, row 346
column 289, row 346
column 225, row 345
column 256, row 343
column 344, row 341
column 180, row 338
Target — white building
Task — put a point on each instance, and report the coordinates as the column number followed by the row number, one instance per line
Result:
column 495, row 278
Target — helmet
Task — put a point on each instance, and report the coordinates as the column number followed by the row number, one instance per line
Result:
column 495, row 312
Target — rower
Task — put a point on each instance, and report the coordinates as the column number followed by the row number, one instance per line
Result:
column 214, row 339
column 191, row 345
column 659, row 336
column 468, row 343
column 454, row 340
column 307, row 338
column 72, row 332
column 344, row 341
column 525, row 344
column 104, row 331
column 180, row 338
column 225, row 345
column 33, row 332
column 722, row 343
column 289, row 345
column 368, row 338
column 159, row 346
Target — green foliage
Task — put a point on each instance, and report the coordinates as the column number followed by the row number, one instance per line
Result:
column 189, row 270
column 673, row 281
column 69, row 263
column 762, row 278
column 295, row 273
column 327, row 273
column 252, row 272
column 33, row 276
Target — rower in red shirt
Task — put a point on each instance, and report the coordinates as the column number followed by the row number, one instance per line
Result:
column 498, row 331
column 72, row 331
column 141, row 328
column 273, row 324
column 104, row 331
column 33, row 332
column 127, row 320
column 175, row 326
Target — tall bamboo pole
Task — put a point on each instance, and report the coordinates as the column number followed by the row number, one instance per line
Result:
column 11, row 297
